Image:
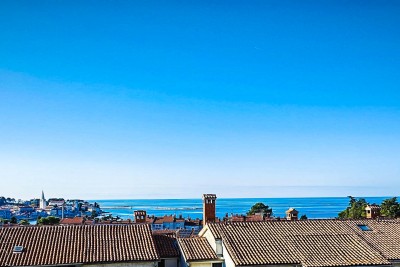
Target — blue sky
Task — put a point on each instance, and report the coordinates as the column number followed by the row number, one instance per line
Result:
column 172, row 99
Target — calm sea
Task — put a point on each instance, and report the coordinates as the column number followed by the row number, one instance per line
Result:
column 315, row 208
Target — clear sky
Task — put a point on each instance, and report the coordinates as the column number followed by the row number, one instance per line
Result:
column 172, row 99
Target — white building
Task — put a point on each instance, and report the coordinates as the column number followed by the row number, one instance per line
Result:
column 43, row 202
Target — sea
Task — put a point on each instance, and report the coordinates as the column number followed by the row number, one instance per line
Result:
column 313, row 208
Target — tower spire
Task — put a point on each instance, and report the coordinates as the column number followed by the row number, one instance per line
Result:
column 42, row 203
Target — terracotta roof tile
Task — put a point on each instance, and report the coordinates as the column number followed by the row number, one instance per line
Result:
column 384, row 235
column 159, row 220
column 73, row 221
column 168, row 219
column 310, row 243
column 166, row 246
column 196, row 249
column 54, row 245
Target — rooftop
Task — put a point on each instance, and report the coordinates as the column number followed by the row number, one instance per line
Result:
column 166, row 246
column 76, row 244
column 310, row 243
column 196, row 249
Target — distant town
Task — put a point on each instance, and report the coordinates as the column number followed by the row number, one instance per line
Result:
column 77, row 227
column 26, row 211
column 53, row 211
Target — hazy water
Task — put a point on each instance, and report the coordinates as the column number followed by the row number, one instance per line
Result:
column 326, row 207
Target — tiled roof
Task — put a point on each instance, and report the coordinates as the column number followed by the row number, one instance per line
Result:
column 196, row 249
column 255, row 218
column 159, row 220
column 384, row 235
column 170, row 232
column 169, row 219
column 187, row 233
column 292, row 210
column 73, row 221
column 54, row 245
column 240, row 218
column 166, row 246
column 310, row 243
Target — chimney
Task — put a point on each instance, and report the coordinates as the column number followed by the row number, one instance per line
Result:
column 209, row 208
column 140, row 216
column 372, row 211
column 292, row 214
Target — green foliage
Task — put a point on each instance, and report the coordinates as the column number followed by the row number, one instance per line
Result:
column 110, row 218
column 24, row 222
column 14, row 220
column 2, row 201
column 303, row 217
column 51, row 220
column 5, row 221
column 390, row 208
column 355, row 209
column 260, row 208
column 93, row 214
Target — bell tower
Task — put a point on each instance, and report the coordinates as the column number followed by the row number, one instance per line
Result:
column 42, row 203
column 209, row 201
column 140, row 216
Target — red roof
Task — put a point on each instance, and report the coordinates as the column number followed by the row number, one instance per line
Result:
column 169, row 219
column 83, row 244
column 73, row 221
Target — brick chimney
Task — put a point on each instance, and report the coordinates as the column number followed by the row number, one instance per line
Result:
column 140, row 216
column 209, row 201
column 292, row 214
column 372, row 211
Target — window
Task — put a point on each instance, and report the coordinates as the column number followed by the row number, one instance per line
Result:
column 218, row 264
column 18, row 249
column 364, row 227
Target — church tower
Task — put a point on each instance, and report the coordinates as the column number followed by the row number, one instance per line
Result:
column 42, row 203
column 140, row 216
column 209, row 201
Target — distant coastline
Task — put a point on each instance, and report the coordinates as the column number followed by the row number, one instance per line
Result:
column 313, row 207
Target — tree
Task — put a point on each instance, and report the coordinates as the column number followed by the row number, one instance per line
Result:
column 24, row 222
column 5, row 221
column 390, row 208
column 260, row 208
column 303, row 217
column 355, row 209
column 2, row 201
column 93, row 214
column 51, row 220
column 13, row 220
